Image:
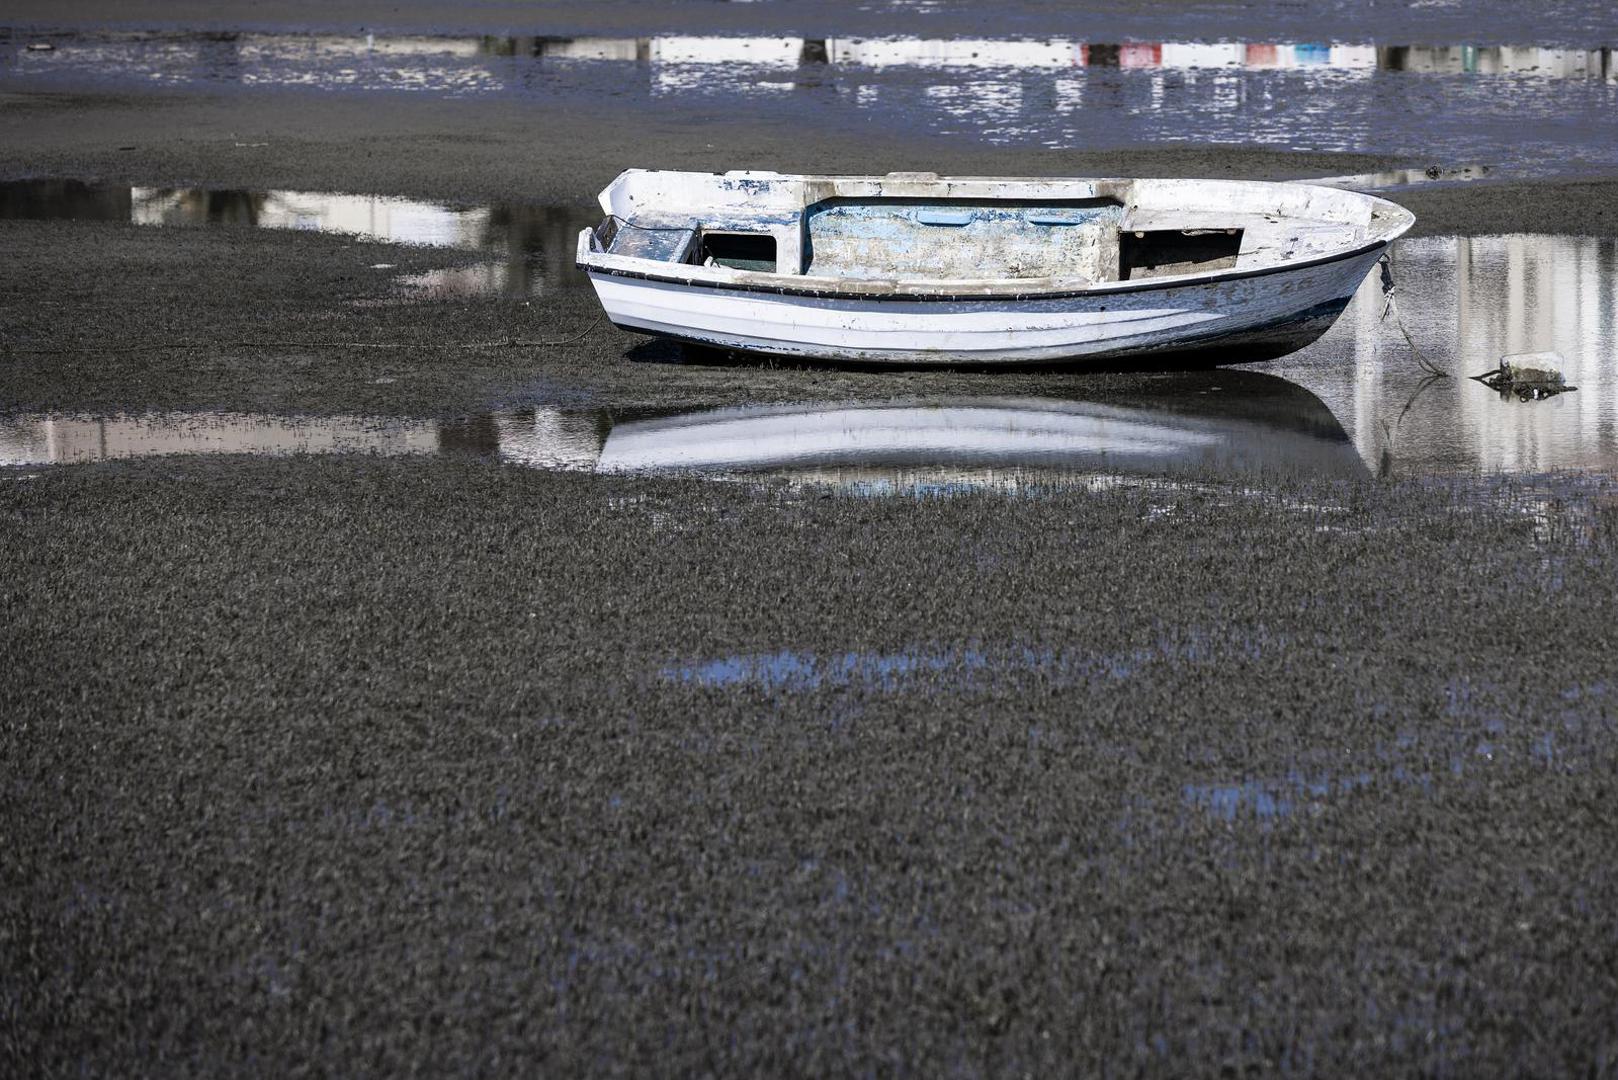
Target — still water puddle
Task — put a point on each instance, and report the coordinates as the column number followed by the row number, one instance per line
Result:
column 1468, row 301
column 45, row 440
column 1537, row 108
column 527, row 248
column 1232, row 423
column 1391, row 181
column 1356, row 400
column 982, row 667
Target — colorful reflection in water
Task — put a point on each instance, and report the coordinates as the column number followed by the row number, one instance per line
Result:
column 1532, row 108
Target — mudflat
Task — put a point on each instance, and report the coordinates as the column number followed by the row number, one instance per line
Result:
column 364, row 766
column 377, row 766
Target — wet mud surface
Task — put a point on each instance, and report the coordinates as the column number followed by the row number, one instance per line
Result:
column 589, row 774
column 440, row 762
column 452, row 149
column 455, row 150
column 376, row 323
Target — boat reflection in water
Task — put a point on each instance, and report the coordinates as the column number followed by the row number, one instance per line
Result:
column 1220, row 424
column 1217, row 424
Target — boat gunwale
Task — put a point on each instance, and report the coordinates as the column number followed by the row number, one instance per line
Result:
column 997, row 291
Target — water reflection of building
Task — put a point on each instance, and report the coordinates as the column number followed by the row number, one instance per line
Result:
column 528, row 246
column 1046, row 91
column 77, row 200
column 1058, row 53
column 401, row 221
column 1469, row 301
column 286, row 58
column 535, row 248
column 1497, row 60
column 50, row 440
column 550, row 438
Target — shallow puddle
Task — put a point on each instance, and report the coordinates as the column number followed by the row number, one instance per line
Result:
column 1359, row 392
column 1235, row 423
column 984, row 668
column 64, row 440
column 529, row 248
column 1537, row 109
column 1468, row 301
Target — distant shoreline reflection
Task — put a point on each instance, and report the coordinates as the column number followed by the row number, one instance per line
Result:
column 239, row 55
column 1536, row 109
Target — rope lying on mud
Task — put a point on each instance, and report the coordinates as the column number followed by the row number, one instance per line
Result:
column 508, row 343
column 1391, row 305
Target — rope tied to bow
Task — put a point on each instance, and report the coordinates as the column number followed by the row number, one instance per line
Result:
column 1390, row 305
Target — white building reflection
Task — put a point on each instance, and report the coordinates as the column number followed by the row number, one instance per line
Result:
column 1467, row 302
column 528, row 248
column 466, row 62
column 47, row 440
column 1458, row 102
column 373, row 217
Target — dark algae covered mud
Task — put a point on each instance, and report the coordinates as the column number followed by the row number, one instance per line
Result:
column 606, row 773
column 357, row 718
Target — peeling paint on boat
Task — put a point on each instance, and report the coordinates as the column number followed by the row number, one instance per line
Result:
column 912, row 268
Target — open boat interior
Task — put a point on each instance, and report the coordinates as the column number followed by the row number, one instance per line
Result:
column 907, row 232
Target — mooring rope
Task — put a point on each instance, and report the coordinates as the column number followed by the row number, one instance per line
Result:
column 624, row 222
column 1391, row 305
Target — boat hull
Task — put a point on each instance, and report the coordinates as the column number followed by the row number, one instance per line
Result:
column 1228, row 319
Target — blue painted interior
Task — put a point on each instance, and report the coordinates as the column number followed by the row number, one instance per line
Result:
column 894, row 238
column 912, row 238
column 928, row 216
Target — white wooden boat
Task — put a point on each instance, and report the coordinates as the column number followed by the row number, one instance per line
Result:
column 912, row 268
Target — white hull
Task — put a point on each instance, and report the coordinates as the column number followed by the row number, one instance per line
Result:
column 1266, row 313
column 1303, row 252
